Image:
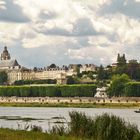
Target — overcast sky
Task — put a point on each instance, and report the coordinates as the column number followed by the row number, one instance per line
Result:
column 41, row 32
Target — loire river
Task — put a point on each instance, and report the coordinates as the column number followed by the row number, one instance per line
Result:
column 16, row 117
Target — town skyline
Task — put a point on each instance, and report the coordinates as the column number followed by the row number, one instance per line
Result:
column 43, row 33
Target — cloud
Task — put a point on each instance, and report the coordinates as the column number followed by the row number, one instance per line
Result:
column 127, row 7
column 11, row 12
column 70, row 31
column 81, row 27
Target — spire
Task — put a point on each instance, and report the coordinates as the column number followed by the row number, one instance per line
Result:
column 118, row 58
column 5, row 55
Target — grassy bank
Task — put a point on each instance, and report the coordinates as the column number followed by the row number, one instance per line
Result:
column 9, row 134
column 75, row 105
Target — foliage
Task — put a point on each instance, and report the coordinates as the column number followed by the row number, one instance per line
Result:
column 51, row 91
column 26, row 82
column 132, row 89
column 117, row 87
column 9, row 134
column 133, row 69
column 71, row 80
column 85, row 90
column 103, row 74
column 3, row 77
column 103, row 127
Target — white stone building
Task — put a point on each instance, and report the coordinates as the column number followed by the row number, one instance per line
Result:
column 17, row 72
column 88, row 67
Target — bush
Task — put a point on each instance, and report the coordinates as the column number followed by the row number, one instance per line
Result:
column 132, row 89
column 117, row 87
column 52, row 91
column 84, row 90
column 104, row 127
column 27, row 82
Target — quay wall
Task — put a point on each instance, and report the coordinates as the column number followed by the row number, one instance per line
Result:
column 69, row 100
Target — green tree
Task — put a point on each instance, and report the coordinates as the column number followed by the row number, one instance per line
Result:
column 3, row 77
column 133, row 69
column 102, row 74
column 117, row 87
column 70, row 80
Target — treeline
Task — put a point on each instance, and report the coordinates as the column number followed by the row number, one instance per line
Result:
column 132, row 89
column 27, row 82
column 123, row 86
column 131, row 68
column 51, row 91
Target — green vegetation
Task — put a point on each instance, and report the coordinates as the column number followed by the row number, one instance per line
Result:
column 27, row 82
column 74, row 105
column 3, row 77
column 9, row 134
column 132, row 89
column 52, row 91
column 117, row 87
column 105, row 127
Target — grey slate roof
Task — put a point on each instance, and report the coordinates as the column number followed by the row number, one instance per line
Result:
column 8, row 63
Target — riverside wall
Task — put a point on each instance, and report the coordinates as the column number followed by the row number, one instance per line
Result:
column 79, row 100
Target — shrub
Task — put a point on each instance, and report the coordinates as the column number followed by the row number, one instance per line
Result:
column 27, row 82
column 117, row 87
column 104, row 127
column 132, row 89
column 78, row 90
column 52, row 91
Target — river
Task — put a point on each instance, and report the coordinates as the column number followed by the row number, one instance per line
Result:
column 46, row 117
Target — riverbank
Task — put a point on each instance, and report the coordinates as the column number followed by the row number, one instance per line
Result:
column 74, row 105
column 81, row 102
column 10, row 134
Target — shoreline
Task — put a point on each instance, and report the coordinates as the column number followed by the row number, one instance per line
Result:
column 76, row 102
column 74, row 105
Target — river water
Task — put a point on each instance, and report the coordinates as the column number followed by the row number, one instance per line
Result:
column 46, row 117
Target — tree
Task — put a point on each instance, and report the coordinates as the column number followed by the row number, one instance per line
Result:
column 133, row 69
column 117, row 87
column 52, row 66
column 70, row 80
column 3, row 77
column 102, row 74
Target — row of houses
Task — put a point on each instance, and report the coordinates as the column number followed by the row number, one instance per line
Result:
column 17, row 72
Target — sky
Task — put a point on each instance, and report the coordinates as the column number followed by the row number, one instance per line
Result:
column 41, row 32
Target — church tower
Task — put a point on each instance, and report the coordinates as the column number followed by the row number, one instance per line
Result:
column 5, row 55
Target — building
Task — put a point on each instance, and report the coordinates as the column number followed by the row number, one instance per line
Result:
column 88, row 67
column 17, row 72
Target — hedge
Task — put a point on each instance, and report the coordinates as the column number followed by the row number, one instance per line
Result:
column 51, row 91
column 27, row 82
column 132, row 89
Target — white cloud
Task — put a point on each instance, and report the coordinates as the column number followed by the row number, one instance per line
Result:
column 72, row 30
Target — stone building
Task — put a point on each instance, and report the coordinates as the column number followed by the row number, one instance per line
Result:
column 17, row 72
column 14, row 70
column 88, row 67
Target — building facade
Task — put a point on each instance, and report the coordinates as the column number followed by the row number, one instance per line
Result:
column 17, row 72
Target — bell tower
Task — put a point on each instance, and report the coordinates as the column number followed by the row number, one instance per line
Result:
column 5, row 55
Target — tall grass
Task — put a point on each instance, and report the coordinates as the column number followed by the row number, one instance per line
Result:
column 104, row 127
